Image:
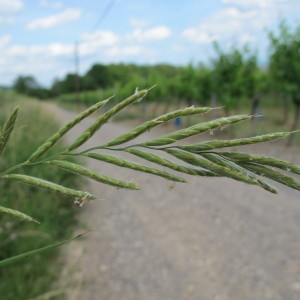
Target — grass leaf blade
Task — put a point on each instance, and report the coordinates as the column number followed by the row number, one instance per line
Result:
column 36, row 251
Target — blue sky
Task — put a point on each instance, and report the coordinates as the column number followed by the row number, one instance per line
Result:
column 38, row 37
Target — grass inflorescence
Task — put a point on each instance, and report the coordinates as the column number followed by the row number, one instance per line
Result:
column 199, row 159
column 173, row 154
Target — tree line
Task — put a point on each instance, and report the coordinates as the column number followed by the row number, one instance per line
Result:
column 229, row 78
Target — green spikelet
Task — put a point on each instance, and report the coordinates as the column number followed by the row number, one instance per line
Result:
column 134, row 166
column 155, row 122
column 8, row 128
column 87, row 134
column 75, row 168
column 192, row 130
column 197, row 148
column 61, row 132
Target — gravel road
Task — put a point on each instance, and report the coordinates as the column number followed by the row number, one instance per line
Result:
column 212, row 239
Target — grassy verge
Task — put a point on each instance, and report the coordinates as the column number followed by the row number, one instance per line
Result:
column 34, row 276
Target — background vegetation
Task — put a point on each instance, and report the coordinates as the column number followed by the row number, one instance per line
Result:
column 233, row 78
column 26, row 279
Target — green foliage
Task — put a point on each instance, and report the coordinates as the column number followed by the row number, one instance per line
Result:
column 232, row 78
column 30, row 277
column 285, row 61
column 233, row 75
column 285, row 67
column 28, row 85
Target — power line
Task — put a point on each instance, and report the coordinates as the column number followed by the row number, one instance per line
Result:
column 105, row 13
column 76, row 50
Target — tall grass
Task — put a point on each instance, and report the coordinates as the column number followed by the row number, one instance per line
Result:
column 31, row 277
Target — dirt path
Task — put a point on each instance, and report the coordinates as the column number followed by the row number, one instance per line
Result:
column 208, row 239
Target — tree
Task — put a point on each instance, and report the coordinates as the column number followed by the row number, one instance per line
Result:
column 23, row 84
column 29, row 86
column 203, row 85
column 233, row 75
column 187, row 89
column 97, row 77
column 284, row 66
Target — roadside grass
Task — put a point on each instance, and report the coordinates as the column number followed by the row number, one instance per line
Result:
column 34, row 276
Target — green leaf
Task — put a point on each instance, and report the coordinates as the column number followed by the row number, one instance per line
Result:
column 36, row 251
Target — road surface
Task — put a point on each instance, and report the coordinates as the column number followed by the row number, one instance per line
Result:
column 213, row 239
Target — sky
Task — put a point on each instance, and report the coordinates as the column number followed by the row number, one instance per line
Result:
column 40, row 38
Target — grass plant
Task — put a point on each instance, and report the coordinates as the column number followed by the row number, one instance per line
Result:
column 204, row 159
column 23, row 277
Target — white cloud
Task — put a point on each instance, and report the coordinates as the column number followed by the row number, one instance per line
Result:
column 102, row 36
column 8, row 9
column 259, row 3
column 248, row 3
column 240, row 20
column 66, row 16
column 138, row 23
column 51, row 4
column 4, row 40
column 247, row 38
column 11, row 6
column 274, row 8
column 93, row 42
column 152, row 34
column 55, row 49
column 229, row 22
column 124, row 51
column 58, row 49
column 197, row 35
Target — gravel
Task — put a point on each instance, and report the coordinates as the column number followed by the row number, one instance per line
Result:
column 211, row 238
